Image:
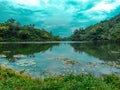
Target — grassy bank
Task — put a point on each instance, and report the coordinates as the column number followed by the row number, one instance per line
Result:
column 9, row 80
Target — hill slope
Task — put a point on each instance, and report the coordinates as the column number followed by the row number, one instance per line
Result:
column 105, row 30
column 13, row 31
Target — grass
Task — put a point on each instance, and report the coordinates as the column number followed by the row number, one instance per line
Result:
column 10, row 80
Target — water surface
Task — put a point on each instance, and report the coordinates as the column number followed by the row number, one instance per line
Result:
column 61, row 58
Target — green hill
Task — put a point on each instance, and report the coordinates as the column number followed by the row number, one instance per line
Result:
column 13, row 31
column 105, row 30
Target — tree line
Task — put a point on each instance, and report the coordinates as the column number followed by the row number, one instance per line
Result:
column 12, row 30
column 105, row 30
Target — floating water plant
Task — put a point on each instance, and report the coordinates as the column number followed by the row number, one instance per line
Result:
column 26, row 62
column 65, row 60
column 70, row 62
column 110, row 63
column 2, row 56
column 18, row 56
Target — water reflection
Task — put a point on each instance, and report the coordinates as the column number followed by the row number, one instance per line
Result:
column 15, row 51
column 44, row 59
column 104, row 51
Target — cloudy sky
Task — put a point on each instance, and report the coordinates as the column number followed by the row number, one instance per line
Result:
column 59, row 16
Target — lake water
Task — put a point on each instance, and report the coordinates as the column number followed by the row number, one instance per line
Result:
column 61, row 58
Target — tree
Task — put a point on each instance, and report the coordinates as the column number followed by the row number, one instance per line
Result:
column 11, row 20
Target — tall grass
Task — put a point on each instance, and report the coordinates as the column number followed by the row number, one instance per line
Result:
column 10, row 80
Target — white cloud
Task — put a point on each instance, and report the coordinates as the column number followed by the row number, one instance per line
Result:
column 105, row 6
column 28, row 2
column 46, row 1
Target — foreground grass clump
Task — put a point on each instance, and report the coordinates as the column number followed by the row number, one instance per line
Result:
column 9, row 80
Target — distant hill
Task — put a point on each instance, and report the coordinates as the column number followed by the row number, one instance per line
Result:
column 13, row 31
column 105, row 30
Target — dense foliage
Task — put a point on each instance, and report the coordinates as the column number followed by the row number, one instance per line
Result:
column 9, row 80
column 13, row 31
column 105, row 30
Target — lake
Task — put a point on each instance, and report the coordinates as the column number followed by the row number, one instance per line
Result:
column 42, row 59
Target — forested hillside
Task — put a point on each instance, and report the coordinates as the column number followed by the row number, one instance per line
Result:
column 13, row 31
column 105, row 30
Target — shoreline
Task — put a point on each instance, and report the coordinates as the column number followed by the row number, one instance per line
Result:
column 15, row 81
column 37, row 42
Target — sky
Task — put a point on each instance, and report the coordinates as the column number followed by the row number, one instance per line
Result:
column 61, row 17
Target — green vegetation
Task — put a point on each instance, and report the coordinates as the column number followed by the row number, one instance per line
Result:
column 9, row 80
column 13, row 31
column 105, row 30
